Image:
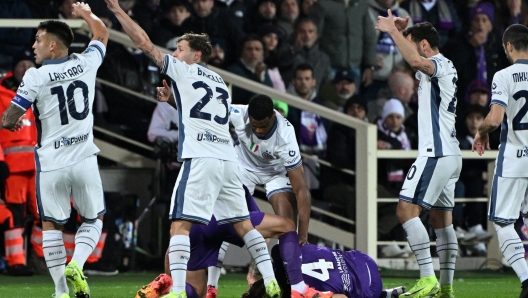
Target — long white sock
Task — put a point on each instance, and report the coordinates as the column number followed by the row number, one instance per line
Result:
column 447, row 249
column 213, row 272
column 420, row 245
column 55, row 257
column 179, row 253
column 86, row 240
column 258, row 249
column 512, row 249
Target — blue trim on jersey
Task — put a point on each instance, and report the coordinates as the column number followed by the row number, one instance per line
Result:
column 493, row 197
column 521, row 61
column 38, row 125
column 425, row 179
column 232, row 219
column 289, row 168
column 177, row 212
column 98, row 49
column 56, row 61
column 498, row 102
column 435, row 116
column 284, row 189
column 165, row 64
column 21, row 102
column 502, row 147
column 435, row 67
column 181, row 127
column 271, row 132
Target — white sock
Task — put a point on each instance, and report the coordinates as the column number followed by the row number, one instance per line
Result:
column 86, row 240
column 420, row 245
column 447, row 249
column 258, row 249
column 512, row 249
column 300, row 287
column 213, row 272
column 179, row 253
column 55, row 257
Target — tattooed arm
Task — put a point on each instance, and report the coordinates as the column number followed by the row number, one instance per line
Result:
column 136, row 34
column 97, row 26
column 11, row 117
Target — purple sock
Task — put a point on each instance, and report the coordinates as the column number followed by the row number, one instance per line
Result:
column 290, row 252
column 191, row 293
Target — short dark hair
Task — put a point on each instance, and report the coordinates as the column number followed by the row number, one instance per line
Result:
column 59, row 29
column 260, row 107
column 303, row 20
column 476, row 109
column 517, row 35
column 303, row 67
column 257, row 290
column 423, row 31
column 199, row 42
column 167, row 5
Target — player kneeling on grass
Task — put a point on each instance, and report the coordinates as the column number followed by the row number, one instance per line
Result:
column 206, row 241
column 350, row 274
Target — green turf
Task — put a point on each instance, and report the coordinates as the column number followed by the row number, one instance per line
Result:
column 468, row 284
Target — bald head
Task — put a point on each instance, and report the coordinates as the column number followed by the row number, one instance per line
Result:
column 401, row 85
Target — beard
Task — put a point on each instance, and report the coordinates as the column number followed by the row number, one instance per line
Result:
column 345, row 96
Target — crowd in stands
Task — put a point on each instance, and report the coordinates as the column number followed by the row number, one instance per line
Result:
column 323, row 51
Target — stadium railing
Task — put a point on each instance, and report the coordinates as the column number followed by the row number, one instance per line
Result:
column 365, row 238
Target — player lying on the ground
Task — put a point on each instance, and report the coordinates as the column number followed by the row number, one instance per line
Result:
column 351, row 273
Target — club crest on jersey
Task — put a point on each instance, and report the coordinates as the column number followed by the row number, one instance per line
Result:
column 267, row 155
column 522, row 152
column 208, row 136
column 66, row 142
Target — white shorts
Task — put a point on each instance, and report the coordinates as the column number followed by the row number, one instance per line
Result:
column 207, row 186
column 430, row 182
column 81, row 182
column 274, row 183
column 509, row 196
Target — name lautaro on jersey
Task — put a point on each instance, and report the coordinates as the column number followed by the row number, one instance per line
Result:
column 210, row 137
column 66, row 142
column 210, row 76
column 70, row 73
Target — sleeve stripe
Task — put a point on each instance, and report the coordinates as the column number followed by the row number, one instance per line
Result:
column 289, row 168
column 21, row 102
column 436, row 67
column 165, row 64
column 98, row 49
column 498, row 102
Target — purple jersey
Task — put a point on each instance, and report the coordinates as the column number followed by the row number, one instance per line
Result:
column 206, row 240
column 351, row 273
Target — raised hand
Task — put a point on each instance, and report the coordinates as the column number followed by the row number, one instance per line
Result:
column 113, row 5
column 386, row 24
column 401, row 24
column 80, row 8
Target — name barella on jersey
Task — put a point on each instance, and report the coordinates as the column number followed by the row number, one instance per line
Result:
column 340, row 272
column 62, row 94
column 203, row 107
column 277, row 151
column 510, row 90
column 436, row 110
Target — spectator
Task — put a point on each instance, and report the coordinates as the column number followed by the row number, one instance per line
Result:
column 250, row 66
column 148, row 14
column 13, row 40
column 263, row 12
column 511, row 12
column 288, row 15
column 64, row 11
column 473, row 180
column 306, row 6
column 441, row 13
column 306, row 50
column 401, row 87
column 21, row 62
column 347, row 36
column 342, row 87
column 175, row 22
column 310, row 128
column 274, row 53
column 479, row 55
column 217, row 57
column 387, row 55
column 236, row 11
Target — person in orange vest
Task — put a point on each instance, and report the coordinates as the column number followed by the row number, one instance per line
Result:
column 18, row 153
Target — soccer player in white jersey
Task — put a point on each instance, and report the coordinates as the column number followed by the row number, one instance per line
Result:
column 62, row 92
column 430, row 182
column 509, row 192
column 208, row 181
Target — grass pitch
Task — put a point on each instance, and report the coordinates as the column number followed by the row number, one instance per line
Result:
column 470, row 284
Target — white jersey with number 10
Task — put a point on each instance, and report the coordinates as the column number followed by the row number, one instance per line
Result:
column 203, row 106
column 510, row 90
column 62, row 94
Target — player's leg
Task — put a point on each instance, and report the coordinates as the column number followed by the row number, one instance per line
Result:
column 416, row 189
column 506, row 194
column 193, row 200
column 53, row 202
column 213, row 272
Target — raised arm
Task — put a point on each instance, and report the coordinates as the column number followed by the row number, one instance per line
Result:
column 97, row 26
column 136, row 34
